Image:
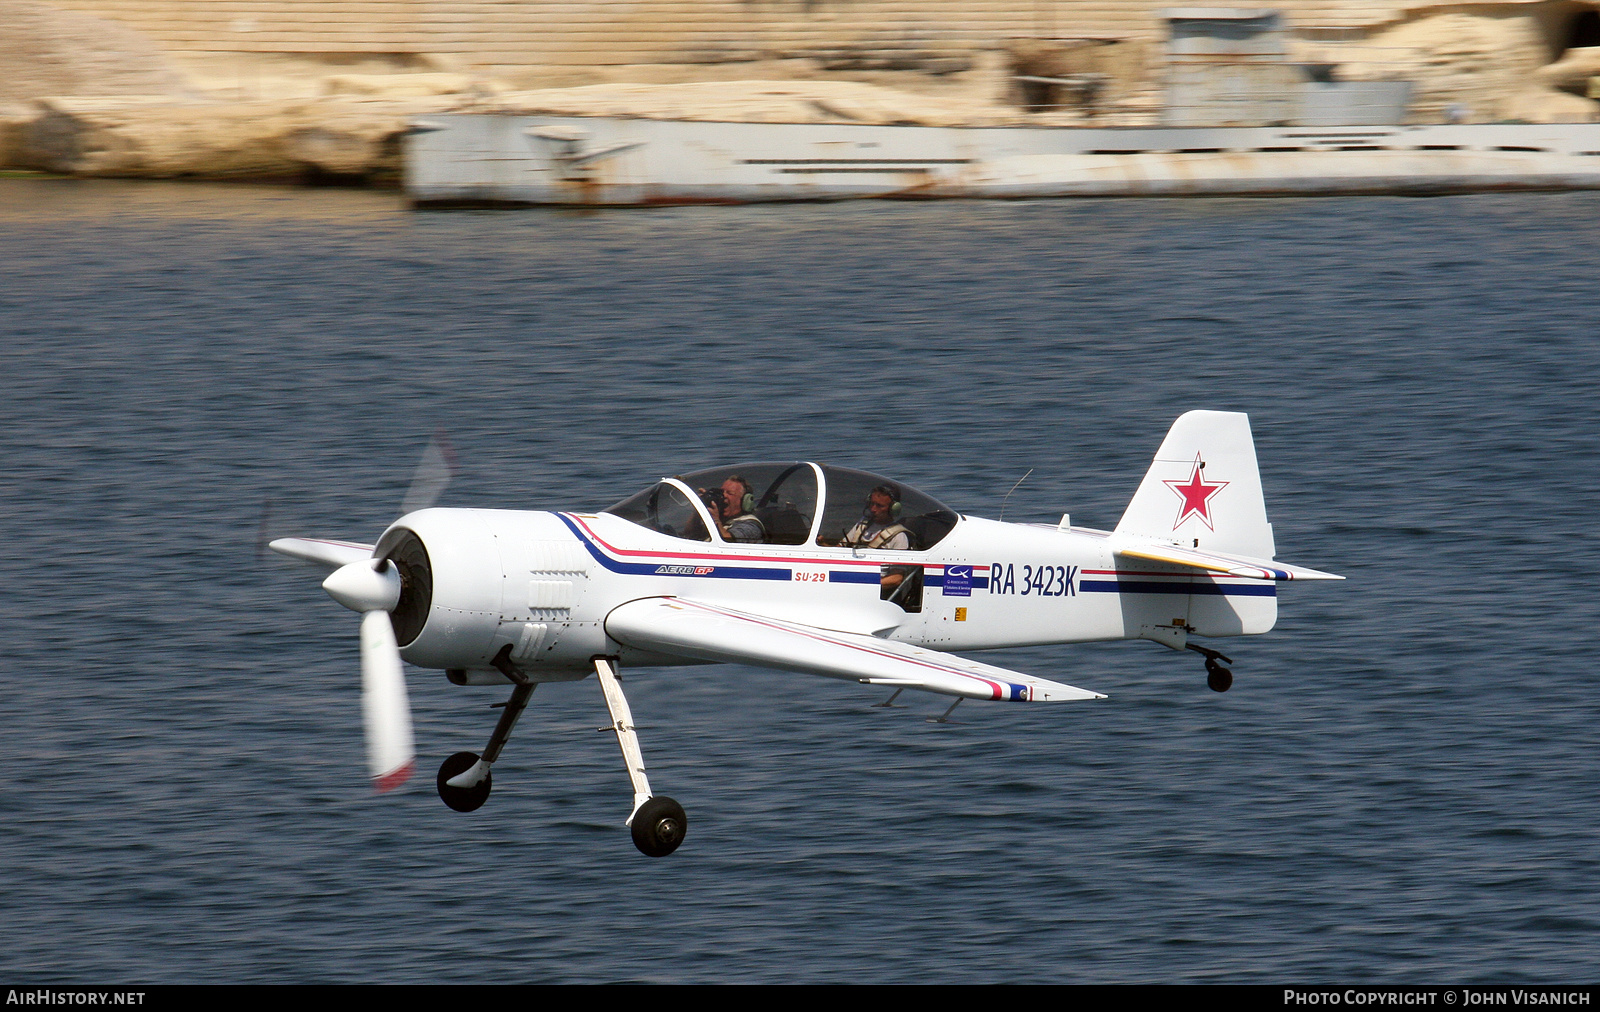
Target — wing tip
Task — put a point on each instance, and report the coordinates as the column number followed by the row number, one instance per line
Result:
column 1065, row 694
column 1307, row 575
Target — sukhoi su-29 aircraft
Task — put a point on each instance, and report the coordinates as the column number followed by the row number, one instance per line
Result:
column 803, row 567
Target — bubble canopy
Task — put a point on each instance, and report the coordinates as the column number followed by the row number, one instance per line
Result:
column 791, row 503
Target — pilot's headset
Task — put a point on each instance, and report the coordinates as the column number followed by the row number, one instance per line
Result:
column 894, row 501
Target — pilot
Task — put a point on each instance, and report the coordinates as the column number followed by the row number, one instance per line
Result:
column 879, row 526
column 734, row 513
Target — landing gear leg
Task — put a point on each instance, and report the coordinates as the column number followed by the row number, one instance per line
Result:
column 464, row 778
column 1218, row 678
column 658, row 824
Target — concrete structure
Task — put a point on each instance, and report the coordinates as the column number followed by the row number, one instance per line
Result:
column 500, row 159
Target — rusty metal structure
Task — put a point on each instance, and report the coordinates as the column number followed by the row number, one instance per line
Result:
column 1226, row 67
column 478, row 160
column 1229, row 67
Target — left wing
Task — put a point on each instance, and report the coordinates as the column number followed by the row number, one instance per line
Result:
column 712, row 632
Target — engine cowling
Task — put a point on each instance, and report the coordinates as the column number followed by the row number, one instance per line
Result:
column 474, row 581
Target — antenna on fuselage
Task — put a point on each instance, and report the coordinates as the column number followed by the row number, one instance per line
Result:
column 1008, row 494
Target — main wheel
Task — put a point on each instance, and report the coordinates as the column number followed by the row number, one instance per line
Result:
column 463, row 799
column 1219, row 678
column 659, row 826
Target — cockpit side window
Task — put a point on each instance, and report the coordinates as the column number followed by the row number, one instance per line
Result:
column 869, row 511
column 764, row 503
column 665, row 508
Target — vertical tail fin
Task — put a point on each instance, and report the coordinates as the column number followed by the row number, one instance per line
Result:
column 1203, row 488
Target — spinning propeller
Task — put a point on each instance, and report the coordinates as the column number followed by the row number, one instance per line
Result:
column 373, row 587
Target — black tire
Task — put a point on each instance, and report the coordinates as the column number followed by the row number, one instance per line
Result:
column 1219, row 678
column 659, row 826
column 463, row 799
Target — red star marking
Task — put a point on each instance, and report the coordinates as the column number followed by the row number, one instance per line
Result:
column 1196, row 494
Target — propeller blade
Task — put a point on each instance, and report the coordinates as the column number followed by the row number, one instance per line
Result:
column 433, row 474
column 261, row 530
column 390, row 750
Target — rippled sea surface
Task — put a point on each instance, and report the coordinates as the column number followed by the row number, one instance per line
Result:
column 1400, row 787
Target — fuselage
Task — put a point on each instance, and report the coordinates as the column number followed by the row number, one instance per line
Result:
column 540, row 585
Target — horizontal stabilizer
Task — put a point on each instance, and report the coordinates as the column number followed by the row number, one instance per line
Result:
column 1220, row 562
column 709, row 632
column 332, row 554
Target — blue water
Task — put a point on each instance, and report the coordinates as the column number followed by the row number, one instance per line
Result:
column 1400, row 787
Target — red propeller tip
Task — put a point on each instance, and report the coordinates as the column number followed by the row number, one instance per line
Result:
column 394, row 778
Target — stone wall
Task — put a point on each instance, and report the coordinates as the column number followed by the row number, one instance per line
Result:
column 520, row 33
column 46, row 51
column 926, row 44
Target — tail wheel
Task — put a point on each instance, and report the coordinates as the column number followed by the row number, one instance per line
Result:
column 1219, row 678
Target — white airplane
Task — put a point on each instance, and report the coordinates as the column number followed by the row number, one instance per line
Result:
column 798, row 566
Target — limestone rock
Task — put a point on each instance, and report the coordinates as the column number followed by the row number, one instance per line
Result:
column 407, row 85
column 353, row 138
column 14, row 120
column 1545, row 105
column 1573, row 71
column 152, row 137
column 1454, row 59
column 755, row 102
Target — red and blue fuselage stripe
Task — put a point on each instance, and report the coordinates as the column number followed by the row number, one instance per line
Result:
column 708, row 565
